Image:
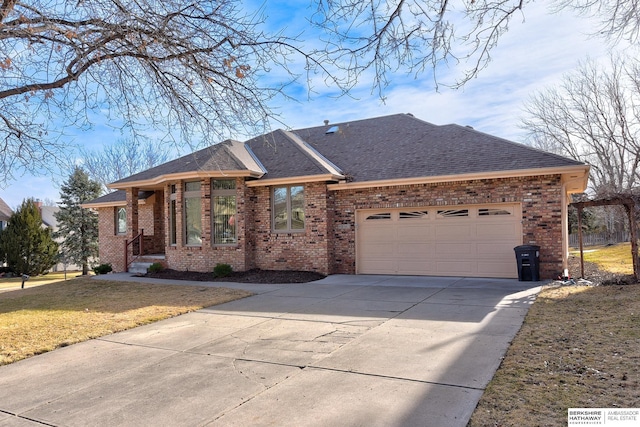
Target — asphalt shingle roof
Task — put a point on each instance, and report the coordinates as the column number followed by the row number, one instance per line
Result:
column 282, row 157
column 120, row 196
column 213, row 158
column 382, row 148
column 402, row 146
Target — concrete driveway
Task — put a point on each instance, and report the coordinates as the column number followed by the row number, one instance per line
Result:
column 343, row 351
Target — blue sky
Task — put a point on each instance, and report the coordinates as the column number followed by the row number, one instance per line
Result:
column 534, row 54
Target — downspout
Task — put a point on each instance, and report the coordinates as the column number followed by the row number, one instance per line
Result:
column 565, row 227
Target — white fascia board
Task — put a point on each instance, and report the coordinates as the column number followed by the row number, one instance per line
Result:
column 294, row 180
column 248, row 158
column 577, row 174
column 326, row 163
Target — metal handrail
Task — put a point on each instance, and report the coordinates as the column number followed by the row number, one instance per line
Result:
column 140, row 239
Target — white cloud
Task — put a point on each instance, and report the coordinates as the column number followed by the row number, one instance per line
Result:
column 535, row 53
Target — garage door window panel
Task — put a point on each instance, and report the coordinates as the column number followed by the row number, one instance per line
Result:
column 453, row 213
column 414, row 215
column 493, row 212
column 379, row 216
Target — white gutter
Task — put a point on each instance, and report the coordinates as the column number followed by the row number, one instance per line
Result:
column 576, row 174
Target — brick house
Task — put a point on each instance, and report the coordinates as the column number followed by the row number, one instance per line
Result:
column 5, row 214
column 387, row 195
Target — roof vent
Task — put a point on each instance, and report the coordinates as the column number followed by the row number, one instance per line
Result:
column 326, row 122
column 332, row 129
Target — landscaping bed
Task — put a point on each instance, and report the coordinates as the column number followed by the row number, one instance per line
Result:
column 596, row 275
column 250, row 276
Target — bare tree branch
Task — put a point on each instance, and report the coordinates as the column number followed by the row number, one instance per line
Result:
column 192, row 69
column 196, row 71
column 120, row 160
column 412, row 35
column 619, row 19
column 594, row 116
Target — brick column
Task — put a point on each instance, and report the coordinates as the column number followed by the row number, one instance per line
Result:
column 158, row 222
column 132, row 212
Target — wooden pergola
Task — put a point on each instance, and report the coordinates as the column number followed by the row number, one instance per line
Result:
column 629, row 203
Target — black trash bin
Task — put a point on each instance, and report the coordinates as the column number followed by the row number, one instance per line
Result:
column 528, row 258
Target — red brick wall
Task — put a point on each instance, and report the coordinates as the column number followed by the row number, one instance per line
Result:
column 206, row 256
column 541, row 210
column 111, row 246
column 328, row 243
column 308, row 250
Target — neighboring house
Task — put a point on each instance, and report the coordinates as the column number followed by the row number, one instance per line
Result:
column 49, row 220
column 5, row 214
column 387, row 195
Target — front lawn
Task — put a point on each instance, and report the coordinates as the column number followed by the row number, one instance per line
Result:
column 39, row 319
column 45, row 279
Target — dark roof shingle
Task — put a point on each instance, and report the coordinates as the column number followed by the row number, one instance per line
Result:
column 401, row 146
column 282, row 157
column 383, row 148
column 119, row 196
column 212, row 158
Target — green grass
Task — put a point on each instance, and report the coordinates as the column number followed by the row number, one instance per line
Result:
column 614, row 258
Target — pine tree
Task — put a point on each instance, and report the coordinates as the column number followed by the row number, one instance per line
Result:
column 26, row 244
column 76, row 225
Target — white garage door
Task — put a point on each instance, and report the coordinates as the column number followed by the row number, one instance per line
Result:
column 471, row 241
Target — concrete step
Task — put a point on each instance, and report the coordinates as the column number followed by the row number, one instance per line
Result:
column 139, row 267
column 151, row 258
